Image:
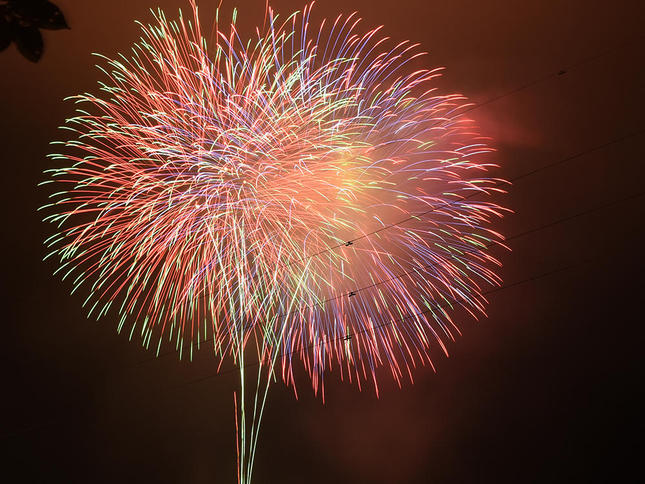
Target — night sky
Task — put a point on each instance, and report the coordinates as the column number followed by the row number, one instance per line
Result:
column 543, row 390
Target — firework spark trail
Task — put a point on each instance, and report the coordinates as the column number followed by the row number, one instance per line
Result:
column 207, row 188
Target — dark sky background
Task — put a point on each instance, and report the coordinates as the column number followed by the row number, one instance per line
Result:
column 544, row 390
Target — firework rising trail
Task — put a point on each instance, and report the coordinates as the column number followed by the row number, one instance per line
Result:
column 305, row 193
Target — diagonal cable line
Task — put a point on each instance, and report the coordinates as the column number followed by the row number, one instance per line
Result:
column 391, row 322
column 448, row 204
column 532, row 172
column 523, row 87
column 512, row 237
column 491, row 291
column 560, row 72
column 356, row 291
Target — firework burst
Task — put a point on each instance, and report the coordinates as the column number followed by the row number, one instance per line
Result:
column 305, row 193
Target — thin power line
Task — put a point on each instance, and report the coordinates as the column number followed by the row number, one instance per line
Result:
column 391, row 322
column 578, row 155
column 559, row 72
column 532, row 172
column 485, row 293
column 550, row 165
column 513, row 237
column 356, row 291
column 472, row 108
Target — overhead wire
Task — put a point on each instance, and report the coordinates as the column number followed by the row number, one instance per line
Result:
column 354, row 292
column 485, row 293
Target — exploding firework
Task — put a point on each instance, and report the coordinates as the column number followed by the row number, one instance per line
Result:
column 305, row 193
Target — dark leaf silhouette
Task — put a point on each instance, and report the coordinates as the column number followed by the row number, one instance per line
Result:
column 20, row 21
column 29, row 42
